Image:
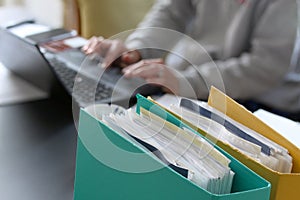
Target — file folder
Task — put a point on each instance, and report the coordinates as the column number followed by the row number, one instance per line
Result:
column 283, row 186
column 96, row 179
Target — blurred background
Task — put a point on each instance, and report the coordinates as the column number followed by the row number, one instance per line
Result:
column 39, row 9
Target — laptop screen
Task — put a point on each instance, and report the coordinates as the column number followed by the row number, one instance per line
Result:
column 25, row 60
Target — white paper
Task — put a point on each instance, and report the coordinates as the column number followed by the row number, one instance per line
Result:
column 29, row 29
column 167, row 99
column 75, row 42
column 286, row 127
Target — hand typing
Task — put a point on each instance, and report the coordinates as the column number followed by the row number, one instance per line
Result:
column 154, row 71
column 112, row 51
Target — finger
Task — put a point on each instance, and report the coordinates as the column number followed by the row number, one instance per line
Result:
column 88, row 44
column 114, row 51
column 91, row 43
column 147, row 71
column 155, row 81
column 131, row 57
column 131, row 68
column 95, row 46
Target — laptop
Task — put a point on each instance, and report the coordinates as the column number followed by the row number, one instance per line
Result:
column 68, row 73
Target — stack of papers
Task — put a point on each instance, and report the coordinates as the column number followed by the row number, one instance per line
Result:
column 181, row 149
column 243, row 139
column 235, row 134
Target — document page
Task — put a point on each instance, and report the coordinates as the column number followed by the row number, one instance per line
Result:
column 223, row 128
column 286, row 127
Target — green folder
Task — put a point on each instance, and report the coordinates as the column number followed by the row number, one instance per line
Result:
column 103, row 171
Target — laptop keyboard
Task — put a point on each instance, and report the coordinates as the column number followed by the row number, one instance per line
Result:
column 85, row 91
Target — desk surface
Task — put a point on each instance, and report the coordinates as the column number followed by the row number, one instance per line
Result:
column 14, row 89
column 37, row 151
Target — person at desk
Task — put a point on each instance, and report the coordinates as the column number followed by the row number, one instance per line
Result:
column 251, row 42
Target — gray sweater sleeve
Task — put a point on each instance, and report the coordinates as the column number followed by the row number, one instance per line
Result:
column 256, row 71
column 152, row 32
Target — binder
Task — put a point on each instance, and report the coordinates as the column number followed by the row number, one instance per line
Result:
column 98, row 149
column 283, row 186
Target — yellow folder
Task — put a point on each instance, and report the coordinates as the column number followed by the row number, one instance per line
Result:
column 283, row 186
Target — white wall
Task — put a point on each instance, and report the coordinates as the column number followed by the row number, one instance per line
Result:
column 48, row 12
